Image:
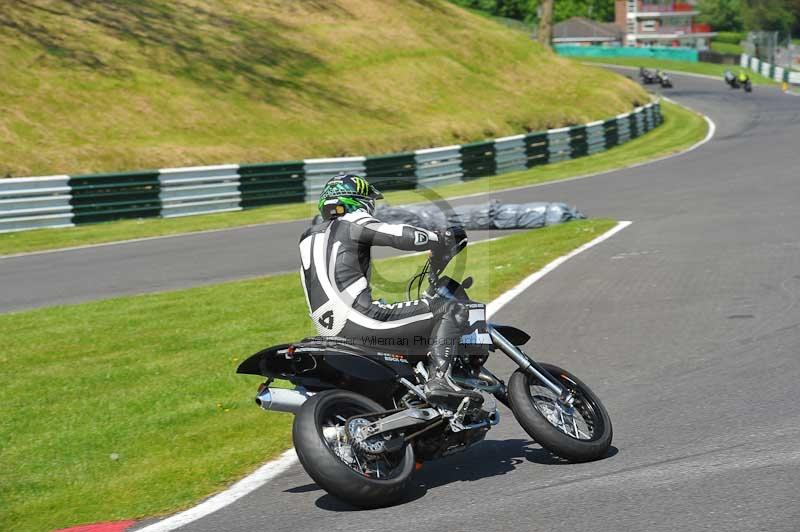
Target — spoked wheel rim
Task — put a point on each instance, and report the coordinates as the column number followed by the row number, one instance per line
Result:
column 332, row 423
column 580, row 421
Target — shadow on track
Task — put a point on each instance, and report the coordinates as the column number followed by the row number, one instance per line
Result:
column 487, row 459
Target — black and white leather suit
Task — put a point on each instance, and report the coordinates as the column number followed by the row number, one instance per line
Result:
column 335, row 272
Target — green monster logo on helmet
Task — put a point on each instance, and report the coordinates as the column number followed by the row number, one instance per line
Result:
column 346, row 193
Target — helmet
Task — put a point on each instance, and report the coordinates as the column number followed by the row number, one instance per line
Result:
column 345, row 193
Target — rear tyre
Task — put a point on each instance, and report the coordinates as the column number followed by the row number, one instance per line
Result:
column 340, row 469
column 580, row 434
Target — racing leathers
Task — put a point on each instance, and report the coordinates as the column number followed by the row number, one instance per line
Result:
column 335, row 273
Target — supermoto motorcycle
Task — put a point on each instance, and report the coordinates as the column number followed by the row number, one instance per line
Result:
column 363, row 423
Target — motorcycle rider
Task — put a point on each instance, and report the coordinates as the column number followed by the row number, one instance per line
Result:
column 729, row 77
column 335, row 272
column 743, row 77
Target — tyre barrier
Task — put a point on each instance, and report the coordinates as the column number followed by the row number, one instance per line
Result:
column 64, row 201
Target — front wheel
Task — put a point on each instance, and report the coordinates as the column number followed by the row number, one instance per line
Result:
column 579, row 433
column 340, row 467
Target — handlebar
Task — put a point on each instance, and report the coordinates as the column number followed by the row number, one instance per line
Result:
column 451, row 242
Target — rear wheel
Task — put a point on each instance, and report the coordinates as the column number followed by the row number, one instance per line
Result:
column 343, row 469
column 580, row 432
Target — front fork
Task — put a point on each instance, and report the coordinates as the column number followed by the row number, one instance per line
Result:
column 529, row 366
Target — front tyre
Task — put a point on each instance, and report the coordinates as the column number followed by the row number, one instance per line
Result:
column 341, row 469
column 580, row 433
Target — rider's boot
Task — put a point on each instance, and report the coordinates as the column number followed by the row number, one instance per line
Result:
column 440, row 388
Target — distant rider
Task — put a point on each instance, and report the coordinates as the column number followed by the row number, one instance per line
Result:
column 335, row 271
column 742, row 77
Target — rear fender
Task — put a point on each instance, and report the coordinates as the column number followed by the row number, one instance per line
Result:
column 316, row 367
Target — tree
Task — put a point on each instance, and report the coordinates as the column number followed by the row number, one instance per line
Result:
column 768, row 15
column 517, row 9
column 526, row 10
column 602, row 10
column 546, row 23
column 723, row 15
column 794, row 5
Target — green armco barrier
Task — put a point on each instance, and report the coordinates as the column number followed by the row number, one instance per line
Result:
column 653, row 52
column 270, row 183
column 392, row 172
column 105, row 197
column 536, row 149
column 634, row 126
column 477, row 159
column 612, row 137
column 577, row 141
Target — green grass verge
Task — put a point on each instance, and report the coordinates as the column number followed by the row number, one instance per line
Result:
column 130, row 407
column 709, row 69
column 681, row 128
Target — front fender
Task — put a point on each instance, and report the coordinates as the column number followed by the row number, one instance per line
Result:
column 512, row 334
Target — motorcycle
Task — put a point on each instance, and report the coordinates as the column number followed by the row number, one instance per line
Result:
column 747, row 85
column 363, row 424
column 731, row 79
column 664, row 79
column 647, row 76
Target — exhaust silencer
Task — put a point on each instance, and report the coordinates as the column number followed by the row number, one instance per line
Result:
column 282, row 400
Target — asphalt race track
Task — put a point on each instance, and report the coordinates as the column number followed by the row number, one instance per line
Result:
column 686, row 324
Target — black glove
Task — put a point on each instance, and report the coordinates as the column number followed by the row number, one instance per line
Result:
column 451, row 241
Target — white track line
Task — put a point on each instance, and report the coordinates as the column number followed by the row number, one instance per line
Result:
column 270, row 470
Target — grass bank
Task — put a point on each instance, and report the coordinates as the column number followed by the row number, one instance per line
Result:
column 681, row 129
column 107, row 86
column 130, row 407
column 709, row 69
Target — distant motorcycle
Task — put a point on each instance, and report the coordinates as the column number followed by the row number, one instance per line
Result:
column 663, row 79
column 740, row 81
column 731, row 79
column 648, row 77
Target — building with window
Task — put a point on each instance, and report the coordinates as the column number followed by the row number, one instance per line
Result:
column 661, row 23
